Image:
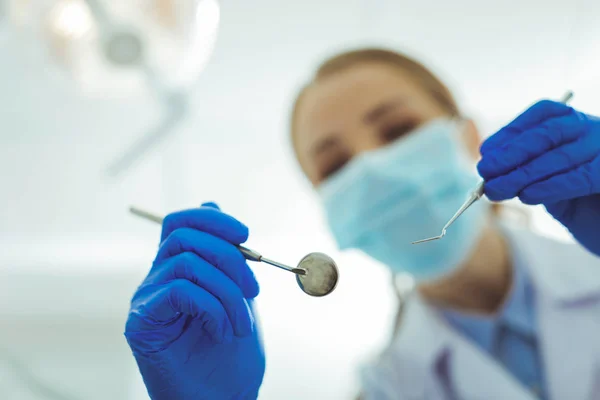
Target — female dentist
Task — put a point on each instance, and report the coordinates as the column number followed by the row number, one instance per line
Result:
column 497, row 313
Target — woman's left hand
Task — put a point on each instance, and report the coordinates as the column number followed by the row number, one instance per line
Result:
column 549, row 155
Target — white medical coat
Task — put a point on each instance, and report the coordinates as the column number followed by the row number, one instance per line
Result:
column 428, row 359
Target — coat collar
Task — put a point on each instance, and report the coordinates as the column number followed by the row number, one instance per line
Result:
column 425, row 340
column 565, row 274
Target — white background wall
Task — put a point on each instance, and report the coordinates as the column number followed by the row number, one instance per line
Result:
column 71, row 256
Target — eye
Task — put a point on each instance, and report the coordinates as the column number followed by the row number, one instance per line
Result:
column 333, row 167
column 396, row 131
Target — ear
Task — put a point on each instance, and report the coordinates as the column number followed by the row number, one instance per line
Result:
column 471, row 138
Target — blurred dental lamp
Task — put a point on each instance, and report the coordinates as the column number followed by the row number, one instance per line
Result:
column 120, row 47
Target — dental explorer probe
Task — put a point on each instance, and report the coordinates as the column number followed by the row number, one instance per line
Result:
column 475, row 194
column 248, row 254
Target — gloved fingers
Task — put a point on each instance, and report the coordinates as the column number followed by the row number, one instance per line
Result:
column 218, row 252
column 181, row 296
column 568, row 185
column 554, row 162
column 209, row 219
column 196, row 270
column 211, row 204
column 530, row 144
column 534, row 115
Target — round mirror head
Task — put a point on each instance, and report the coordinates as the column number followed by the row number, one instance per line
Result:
column 321, row 274
column 124, row 49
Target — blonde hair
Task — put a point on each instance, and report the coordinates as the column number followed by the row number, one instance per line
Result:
column 421, row 75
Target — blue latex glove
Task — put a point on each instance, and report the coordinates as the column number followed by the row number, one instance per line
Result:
column 191, row 325
column 549, row 155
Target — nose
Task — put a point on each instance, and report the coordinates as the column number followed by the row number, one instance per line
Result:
column 365, row 139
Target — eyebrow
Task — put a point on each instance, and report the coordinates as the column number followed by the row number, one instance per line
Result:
column 322, row 145
column 382, row 109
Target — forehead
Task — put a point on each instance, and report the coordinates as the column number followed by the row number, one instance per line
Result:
column 338, row 102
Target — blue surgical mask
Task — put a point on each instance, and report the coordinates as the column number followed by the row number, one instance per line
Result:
column 384, row 199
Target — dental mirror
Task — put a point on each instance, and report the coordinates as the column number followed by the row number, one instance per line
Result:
column 316, row 274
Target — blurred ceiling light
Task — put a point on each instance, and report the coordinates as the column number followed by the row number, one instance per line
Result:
column 122, row 47
column 70, row 18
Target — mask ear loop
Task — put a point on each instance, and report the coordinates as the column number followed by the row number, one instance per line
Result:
column 460, row 122
column 403, row 286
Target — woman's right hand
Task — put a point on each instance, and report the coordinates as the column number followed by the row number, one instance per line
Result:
column 191, row 324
